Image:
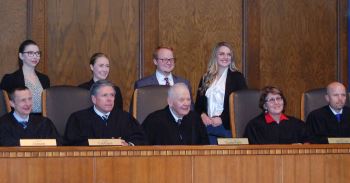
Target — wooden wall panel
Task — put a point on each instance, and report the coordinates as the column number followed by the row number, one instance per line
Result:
column 297, row 46
column 13, row 26
column 192, row 28
column 79, row 28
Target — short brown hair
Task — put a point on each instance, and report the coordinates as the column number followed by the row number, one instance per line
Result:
column 273, row 90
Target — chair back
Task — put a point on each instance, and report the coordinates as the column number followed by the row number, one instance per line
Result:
column 244, row 106
column 4, row 103
column 314, row 99
column 59, row 102
column 147, row 100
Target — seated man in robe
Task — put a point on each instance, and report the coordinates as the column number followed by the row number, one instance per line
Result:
column 332, row 120
column 21, row 124
column 101, row 122
column 176, row 124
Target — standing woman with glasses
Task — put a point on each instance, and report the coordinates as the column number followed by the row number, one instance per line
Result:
column 28, row 58
column 273, row 126
column 221, row 79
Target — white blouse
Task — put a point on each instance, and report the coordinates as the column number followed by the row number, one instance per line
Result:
column 215, row 95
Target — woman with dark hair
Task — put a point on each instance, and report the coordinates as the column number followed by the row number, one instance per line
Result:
column 99, row 65
column 28, row 58
column 273, row 126
column 221, row 79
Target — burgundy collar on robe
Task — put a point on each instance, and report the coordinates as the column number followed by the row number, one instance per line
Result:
column 269, row 119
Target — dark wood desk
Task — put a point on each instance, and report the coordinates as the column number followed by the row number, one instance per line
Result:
column 200, row 164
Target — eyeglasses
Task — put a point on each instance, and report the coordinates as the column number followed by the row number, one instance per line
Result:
column 272, row 100
column 166, row 60
column 32, row 53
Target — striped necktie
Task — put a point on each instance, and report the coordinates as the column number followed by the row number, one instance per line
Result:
column 167, row 83
column 24, row 124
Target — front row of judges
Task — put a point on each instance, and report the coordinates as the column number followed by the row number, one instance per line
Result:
column 176, row 124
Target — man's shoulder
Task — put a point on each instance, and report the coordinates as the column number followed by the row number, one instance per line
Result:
column 83, row 112
column 179, row 79
column 146, row 81
column 6, row 118
column 321, row 110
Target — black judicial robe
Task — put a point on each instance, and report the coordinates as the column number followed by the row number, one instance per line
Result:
column 38, row 127
column 322, row 123
column 288, row 131
column 161, row 129
column 86, row 124
column 118, row 100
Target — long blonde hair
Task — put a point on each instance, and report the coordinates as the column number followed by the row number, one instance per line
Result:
column 213, row 70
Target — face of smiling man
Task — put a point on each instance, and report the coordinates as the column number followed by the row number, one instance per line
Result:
column 22, row 102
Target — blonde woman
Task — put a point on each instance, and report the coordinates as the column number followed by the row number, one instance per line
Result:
column 221, row 79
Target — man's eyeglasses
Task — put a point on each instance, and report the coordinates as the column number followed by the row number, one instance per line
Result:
column 32, row 53
column 166, row 60
column 272, row 100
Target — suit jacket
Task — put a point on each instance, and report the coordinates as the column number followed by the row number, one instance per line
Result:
column 152, row 80
column 16, row 79
column 322, row 123
column 118, row 100
column 234, row 81
column 161, row 129
column 38, row 127
column 86, row 124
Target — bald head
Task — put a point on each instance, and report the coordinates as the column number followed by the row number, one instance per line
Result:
column 179, row 99
column 336, row 95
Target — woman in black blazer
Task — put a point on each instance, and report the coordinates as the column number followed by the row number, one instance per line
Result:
column 28, row 58
column 99, row 65
column 221, row 79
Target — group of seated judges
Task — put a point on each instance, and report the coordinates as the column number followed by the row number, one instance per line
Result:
column 180, row 123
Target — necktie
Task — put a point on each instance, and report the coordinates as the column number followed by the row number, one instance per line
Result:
column 338, row 116
column 167, row 81
column 24, row 124
column 105, row 118
column 179, row 122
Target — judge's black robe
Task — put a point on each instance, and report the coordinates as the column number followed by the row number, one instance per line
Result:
column 322, row 123
column 38, row 127
column 86, row 124
column 161, row 129
column 288, row 131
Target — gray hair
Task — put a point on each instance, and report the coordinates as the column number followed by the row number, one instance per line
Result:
column 171, row 91
column 98, row 84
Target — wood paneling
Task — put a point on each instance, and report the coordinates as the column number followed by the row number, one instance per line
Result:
column 13, row 26
column 79, row 28
column 296, row 48
column 195, row 164
column 293, row 44
column 192, row 28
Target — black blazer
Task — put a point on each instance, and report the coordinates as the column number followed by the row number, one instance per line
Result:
column 16, row 79
column 234, row 81
column 118, row 100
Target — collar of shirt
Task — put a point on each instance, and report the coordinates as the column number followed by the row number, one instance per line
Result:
column 269, row 119
column 334, row 112
column 173, row 114
column 19, row 118
column 100, row 113
column 161, row 80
